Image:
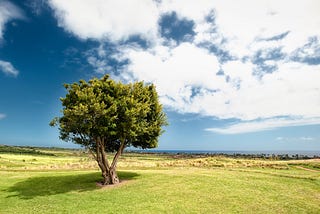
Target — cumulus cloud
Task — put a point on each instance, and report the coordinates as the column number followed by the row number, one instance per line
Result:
column 245, row 22
column 187, row 82
column 188, row 8
column 175, row 70
column 107, row 19
column 8, row 69
column 8, row 11
column 252, row 61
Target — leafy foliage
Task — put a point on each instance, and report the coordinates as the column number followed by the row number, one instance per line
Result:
column 107, row 116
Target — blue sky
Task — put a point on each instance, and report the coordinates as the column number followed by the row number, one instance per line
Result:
column 232, row 75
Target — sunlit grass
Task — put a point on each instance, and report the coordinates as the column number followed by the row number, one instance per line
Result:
column 66, row 183
column 157, row 191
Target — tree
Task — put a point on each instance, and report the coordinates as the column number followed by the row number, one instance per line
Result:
column 107, row 116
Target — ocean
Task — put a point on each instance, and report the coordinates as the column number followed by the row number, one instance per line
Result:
column 266, row 153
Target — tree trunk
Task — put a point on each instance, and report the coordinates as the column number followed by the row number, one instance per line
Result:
column 113, row 177
column 108, row 171
column 110, row 176
column 106, row 180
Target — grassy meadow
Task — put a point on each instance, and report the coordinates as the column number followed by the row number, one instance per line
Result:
column 65, row 181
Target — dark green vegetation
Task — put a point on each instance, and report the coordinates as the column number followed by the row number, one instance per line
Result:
column 22, row 150
column 107, row 116
column 67, row 183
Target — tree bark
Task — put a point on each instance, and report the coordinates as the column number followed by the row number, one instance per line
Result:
column 113, row 177
column 108, row 171
column 102, row 162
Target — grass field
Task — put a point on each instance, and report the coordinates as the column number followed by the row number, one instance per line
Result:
column 64, row 181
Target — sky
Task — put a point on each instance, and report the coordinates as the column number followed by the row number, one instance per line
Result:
column 231, row 75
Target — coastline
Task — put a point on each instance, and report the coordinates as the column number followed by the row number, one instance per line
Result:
column 309, row 154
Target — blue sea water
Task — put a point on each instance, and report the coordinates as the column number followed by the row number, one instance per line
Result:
column 267, row 153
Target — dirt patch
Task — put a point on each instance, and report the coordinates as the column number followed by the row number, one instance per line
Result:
column 122, row 182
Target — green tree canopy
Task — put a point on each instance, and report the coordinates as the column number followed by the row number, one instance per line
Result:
column 107, row 116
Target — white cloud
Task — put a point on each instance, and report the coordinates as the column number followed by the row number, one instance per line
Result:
column 101, row 66
column 7, row 68
column 307, row 138
column 37, row 6
column 291, row 90
column 280, row 138
column 176, row 72
column 8, row 11
column 187, row 82
column 188, row 8
column 295, row 139
column 107, row 19
column 186, row 74
column 2, row 116
column 241, row 22
column 263, row 125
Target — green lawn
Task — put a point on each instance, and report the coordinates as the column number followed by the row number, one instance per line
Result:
column 163, row 184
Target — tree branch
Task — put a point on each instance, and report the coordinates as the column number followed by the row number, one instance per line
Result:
column 92, row 153
column 119, row 152
column 102, row 167
column 103, row 153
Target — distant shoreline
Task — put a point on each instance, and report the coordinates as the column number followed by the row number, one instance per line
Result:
column 235, row 152
column 310, row 154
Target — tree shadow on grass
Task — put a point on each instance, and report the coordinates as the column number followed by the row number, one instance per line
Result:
column 59, row 184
